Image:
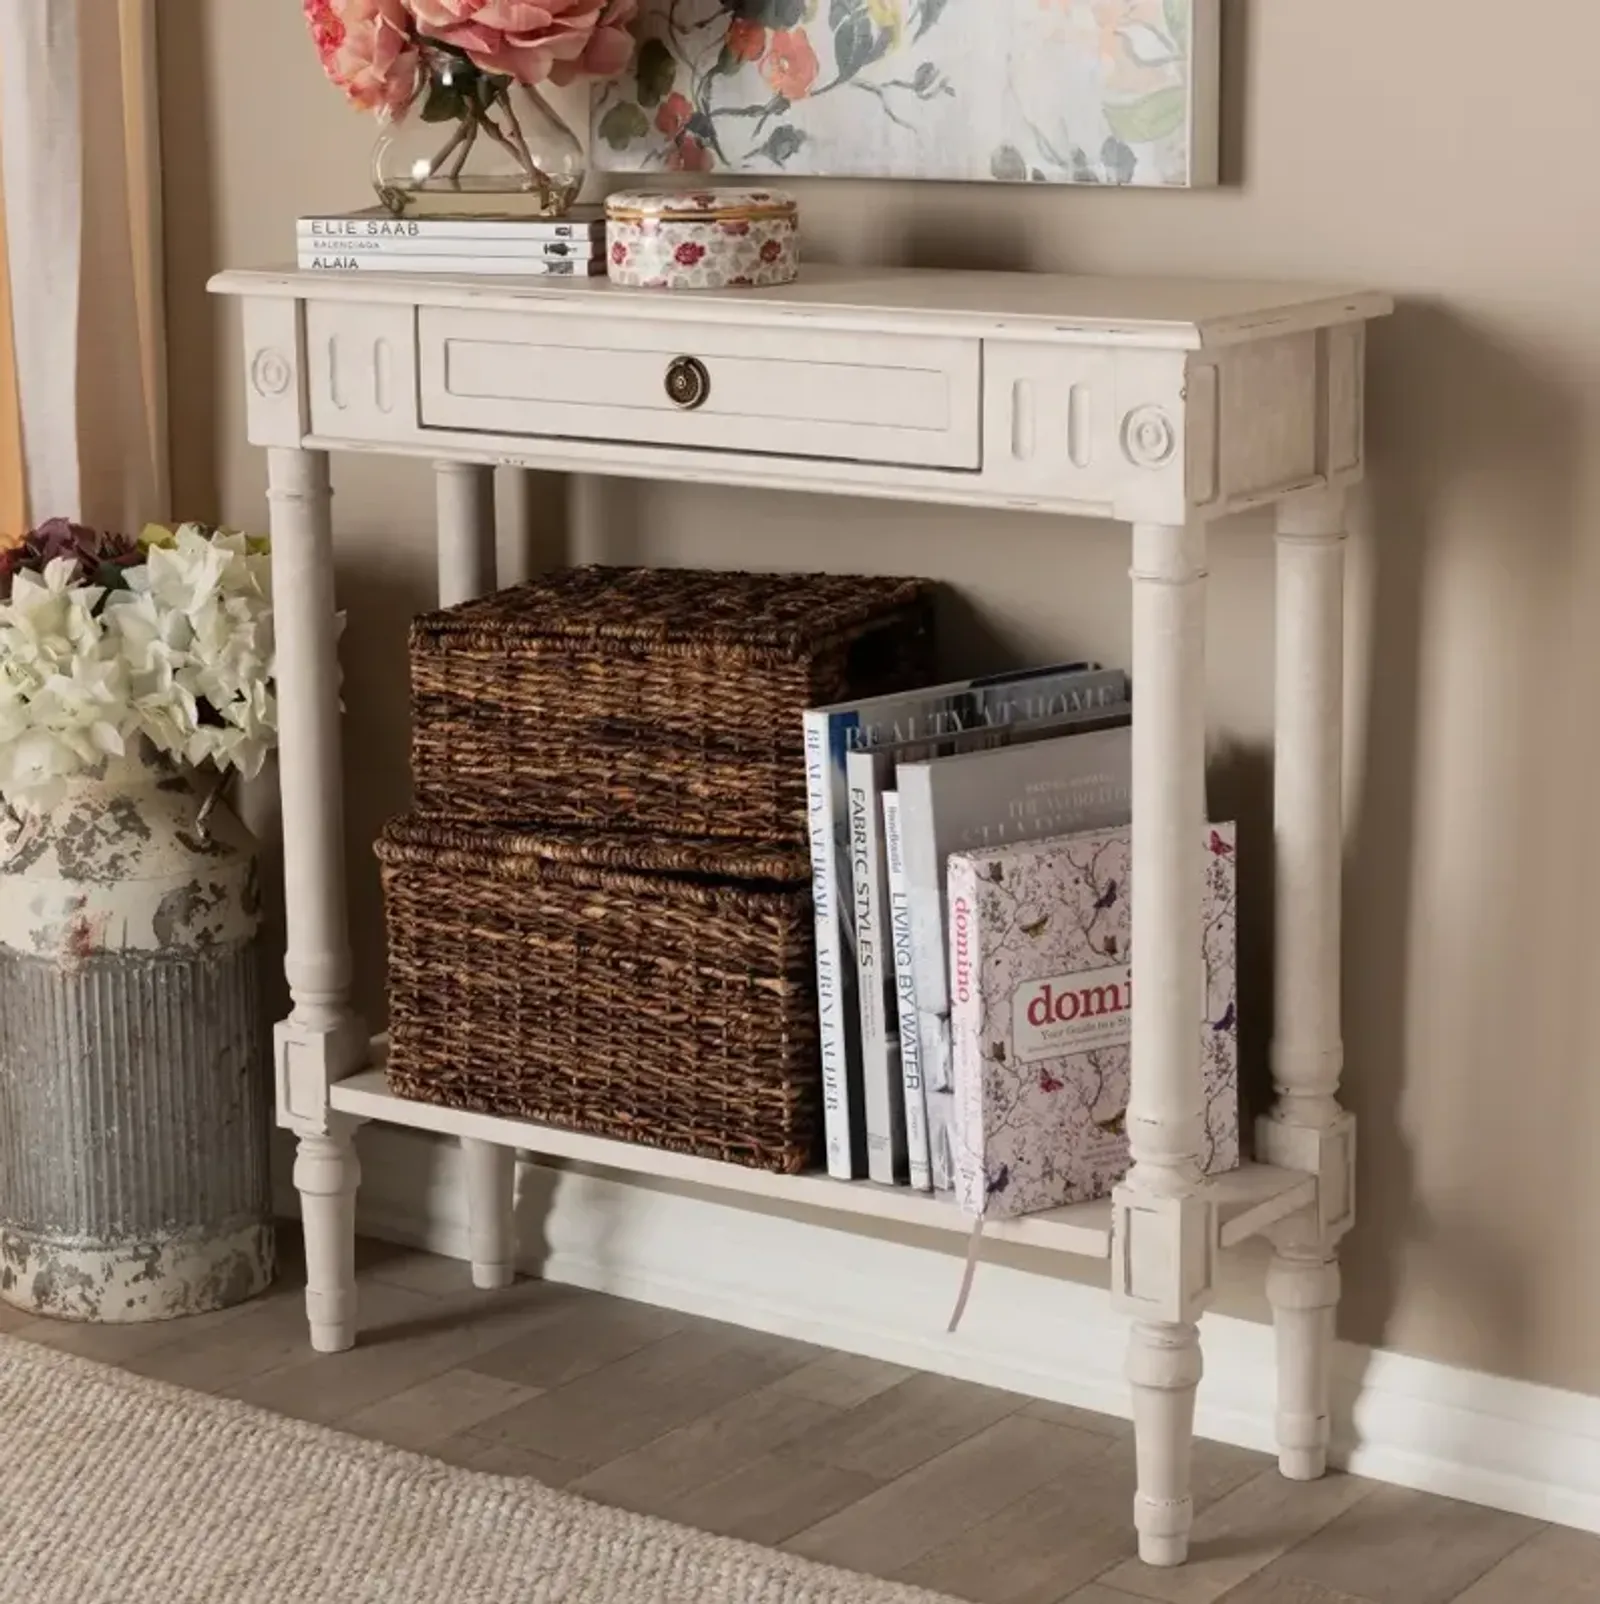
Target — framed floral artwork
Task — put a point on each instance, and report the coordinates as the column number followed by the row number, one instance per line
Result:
column 1041, row 91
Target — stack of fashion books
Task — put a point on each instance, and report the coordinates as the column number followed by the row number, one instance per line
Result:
column 896, row 784
column 970, row 864
column 481, row 244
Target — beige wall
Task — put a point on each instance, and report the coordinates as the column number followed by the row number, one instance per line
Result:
column 1443, row 152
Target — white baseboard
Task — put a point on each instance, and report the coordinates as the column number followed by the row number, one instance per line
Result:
column 1507, row 1444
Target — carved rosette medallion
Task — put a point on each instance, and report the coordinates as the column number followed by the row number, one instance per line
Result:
column 1148, row 437
column 270, row 372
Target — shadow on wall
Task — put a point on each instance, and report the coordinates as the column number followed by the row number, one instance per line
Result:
column 1239, row 788
column 1233, row 160
column 1456, row 417
column 189, row 188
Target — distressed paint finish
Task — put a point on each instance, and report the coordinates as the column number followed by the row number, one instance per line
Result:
column 164, row 1279
column 1120, row 398
column 134, row 1111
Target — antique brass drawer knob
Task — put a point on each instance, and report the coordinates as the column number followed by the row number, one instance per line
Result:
column 688, row 383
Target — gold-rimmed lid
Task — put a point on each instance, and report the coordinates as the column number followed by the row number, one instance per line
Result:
column 699, row 205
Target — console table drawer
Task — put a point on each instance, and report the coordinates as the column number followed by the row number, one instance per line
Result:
column 781, row 392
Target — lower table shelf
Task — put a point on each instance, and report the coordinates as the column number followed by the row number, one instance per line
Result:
column 1248, row 1200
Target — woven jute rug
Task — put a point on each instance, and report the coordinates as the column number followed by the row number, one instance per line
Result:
column 119, row 1490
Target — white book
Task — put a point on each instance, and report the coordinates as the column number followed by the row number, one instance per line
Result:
column 476, row 266
column 375, row 222
column 844, row 1121
column 981, row 800
column 905, row 985
column 527, row 250
column 884, row 1097
column 831, row 733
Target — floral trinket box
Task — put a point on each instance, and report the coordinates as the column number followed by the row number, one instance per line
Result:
column 705, row 239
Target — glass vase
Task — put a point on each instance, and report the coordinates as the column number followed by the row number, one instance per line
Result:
column 479, row 137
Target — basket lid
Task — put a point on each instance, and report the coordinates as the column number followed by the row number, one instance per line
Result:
column 529, row 853
column 684, row 607
column 700, row 205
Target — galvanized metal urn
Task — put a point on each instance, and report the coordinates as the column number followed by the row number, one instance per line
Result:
column 134, row 1110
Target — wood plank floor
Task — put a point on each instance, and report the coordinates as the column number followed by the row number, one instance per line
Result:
column 981, row 1494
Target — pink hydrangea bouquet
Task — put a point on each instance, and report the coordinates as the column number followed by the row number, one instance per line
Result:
column 460, row 59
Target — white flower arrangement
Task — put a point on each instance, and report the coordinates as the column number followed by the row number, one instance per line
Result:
column 170, row 639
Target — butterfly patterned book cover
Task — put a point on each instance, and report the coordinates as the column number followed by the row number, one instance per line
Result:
column 1042, row 972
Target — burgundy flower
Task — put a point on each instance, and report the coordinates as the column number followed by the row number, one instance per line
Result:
column 619, row 253
column 689, row 254
column 100, row 557
column 771, row 251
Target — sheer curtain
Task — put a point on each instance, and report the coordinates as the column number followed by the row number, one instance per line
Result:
column 82, row 338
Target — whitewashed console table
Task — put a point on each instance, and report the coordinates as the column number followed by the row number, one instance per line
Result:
column 1161, row 404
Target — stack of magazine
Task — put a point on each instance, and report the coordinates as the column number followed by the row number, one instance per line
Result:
column 896, row 785
column 482, row 244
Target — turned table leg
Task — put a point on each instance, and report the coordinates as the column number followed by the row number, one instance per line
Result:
column 1307, row 1129
column 1162, row 1250
column 327, row 1174
column 586, row 519
column 466, row 537
column 464, row 494
column 322, row 1041
column 517, row 537
column 491, row 1195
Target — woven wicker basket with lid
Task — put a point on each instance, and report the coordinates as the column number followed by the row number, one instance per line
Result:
column 658, row 992
column 656, row 701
